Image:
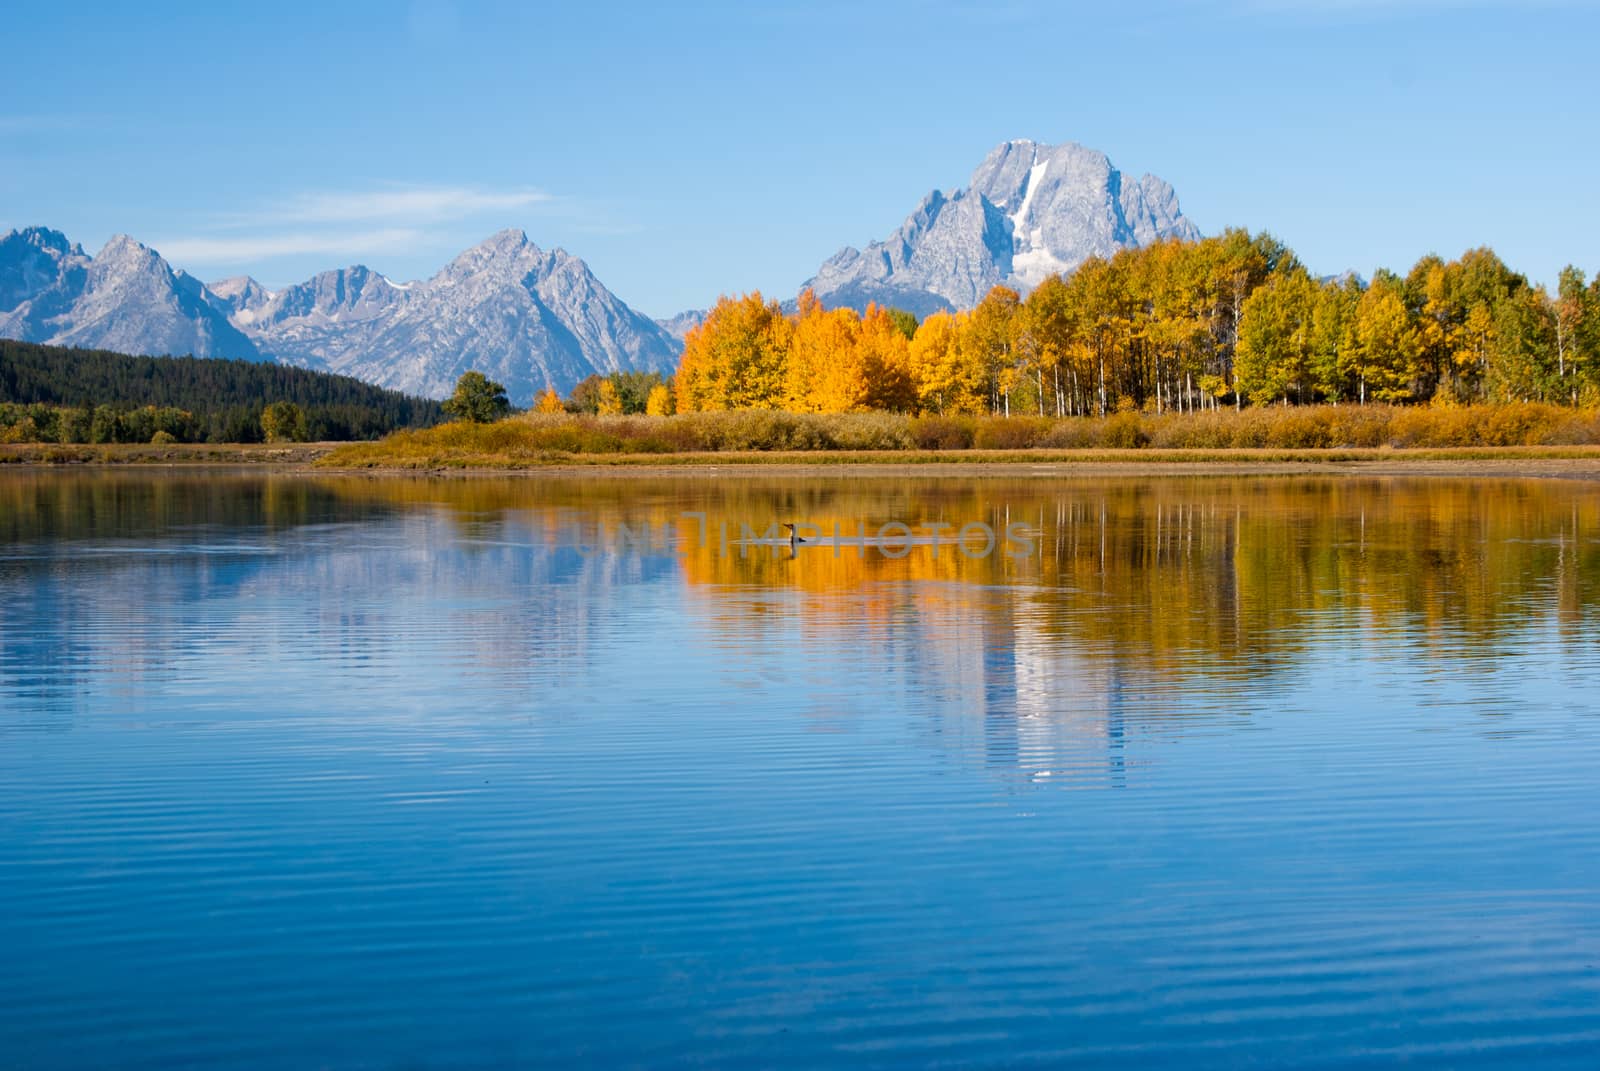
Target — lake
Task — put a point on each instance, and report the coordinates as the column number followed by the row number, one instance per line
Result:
column 1173, row 772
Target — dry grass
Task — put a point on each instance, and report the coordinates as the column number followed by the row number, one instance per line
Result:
column 1325, row 433
column 533, row 440
column 162, row 454
column 1528, row 460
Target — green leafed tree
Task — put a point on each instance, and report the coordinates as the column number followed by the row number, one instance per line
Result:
column 283, row 422
column 904, row 322
column 1275, row 339
column 1335, row 355
column 477, row 400
column 1522, row 361
column 1574, row 333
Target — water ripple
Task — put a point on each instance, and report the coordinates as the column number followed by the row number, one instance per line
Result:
column 371, row 774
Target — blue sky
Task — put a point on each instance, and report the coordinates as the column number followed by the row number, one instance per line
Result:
column 686, row 151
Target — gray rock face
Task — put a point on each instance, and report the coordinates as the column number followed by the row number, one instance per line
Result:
column 523, row 316
column 680, row 325
column 239, row 296
column 34, row 260
column 126, row 298
column 1030, row 211
column 949, row 252
column 320, row 323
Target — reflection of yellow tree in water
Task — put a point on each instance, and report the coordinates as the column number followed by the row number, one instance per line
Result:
column 1129, row 586
column 1227, row 573
column 1234, row 570
column 1234, row 573
column 1442, row 563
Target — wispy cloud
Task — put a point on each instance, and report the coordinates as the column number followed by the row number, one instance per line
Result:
column 397, row 222
column 239, row 248
column 358, row 223
column 413, row 206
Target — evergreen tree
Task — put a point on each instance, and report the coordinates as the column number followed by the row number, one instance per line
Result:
column 477, row 400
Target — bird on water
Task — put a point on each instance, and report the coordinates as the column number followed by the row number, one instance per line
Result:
column 794, row 534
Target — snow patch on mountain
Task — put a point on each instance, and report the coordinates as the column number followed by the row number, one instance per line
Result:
column 1030, row 210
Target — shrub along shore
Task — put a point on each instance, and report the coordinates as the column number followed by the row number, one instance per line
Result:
column 532, row 440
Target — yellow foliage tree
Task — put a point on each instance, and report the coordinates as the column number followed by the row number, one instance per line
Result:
column 937, row 369
column 659, row 401
column 1043, row 338
column 1388, row 343
column 883, row 360
column 985, row 349
column 737, row 358
column 824, row 373
column 935, row 336
column 608, row 400
column 1275, row 344
column 549, row 402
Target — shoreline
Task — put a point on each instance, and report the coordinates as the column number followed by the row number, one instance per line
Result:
column 1553, row 462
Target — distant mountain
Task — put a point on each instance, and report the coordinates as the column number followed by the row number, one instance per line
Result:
column 1031, row 210
column 33, row 261
column 532, row 318
column 239, row 296
column 526, row 317
column 126, row 298
column 324, row 322
column 680, row 325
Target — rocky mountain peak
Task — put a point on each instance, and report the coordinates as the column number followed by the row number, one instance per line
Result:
column 32, row 261
column 125, row 298
column 42, row 240
column 1030, row 210
column 500, row 257
column 239, row 297
column 510, row 239
column 122, row 251
column 680, row 325
column 526, row 317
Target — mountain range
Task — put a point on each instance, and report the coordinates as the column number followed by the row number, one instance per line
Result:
column 526, row 317
column 126, row 299
column 532, row 318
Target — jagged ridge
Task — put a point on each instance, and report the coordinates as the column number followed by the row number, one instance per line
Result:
column 1030, row 210
column 525, row 316
column 126, row 298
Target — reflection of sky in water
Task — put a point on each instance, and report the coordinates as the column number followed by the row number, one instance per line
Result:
column 355, row 777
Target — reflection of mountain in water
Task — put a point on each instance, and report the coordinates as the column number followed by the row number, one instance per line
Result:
column 1047, row 666
column 1046, row 711
column 136, row 576
column 1139, row 587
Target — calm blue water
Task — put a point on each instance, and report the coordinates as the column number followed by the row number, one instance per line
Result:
column 1225, row 772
